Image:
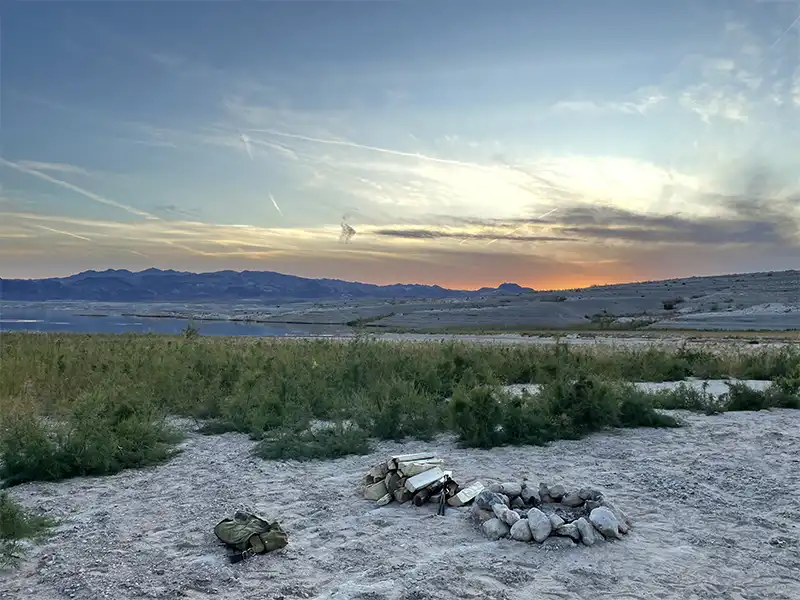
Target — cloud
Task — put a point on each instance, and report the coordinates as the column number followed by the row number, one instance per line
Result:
column 74, row 188
column 59, row 231
column 55, row 167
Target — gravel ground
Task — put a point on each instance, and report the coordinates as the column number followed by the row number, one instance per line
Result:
column 714, row 505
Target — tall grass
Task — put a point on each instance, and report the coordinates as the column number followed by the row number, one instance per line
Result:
column 17, row 525
column 89, row 404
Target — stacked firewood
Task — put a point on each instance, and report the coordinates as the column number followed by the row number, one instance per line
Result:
column 416, row 478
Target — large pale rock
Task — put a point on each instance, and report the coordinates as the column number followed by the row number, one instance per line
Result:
column 590, row 494
column 495, row 529
column 588, row 534
column 511, row 489
column 573, row 500
column 622, row 518
column 605, row 522
column 505, row 514
column 521, row 531
column 556, row 521
column 540, row 524
column 569, row 530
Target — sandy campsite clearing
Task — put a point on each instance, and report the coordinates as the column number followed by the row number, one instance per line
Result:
column 714, row 507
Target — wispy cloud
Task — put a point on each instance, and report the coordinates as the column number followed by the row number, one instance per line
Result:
column 74, row 188
column 55, row 167
column 275, row 204
column 61, row 232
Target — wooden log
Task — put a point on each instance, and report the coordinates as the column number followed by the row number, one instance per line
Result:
column 384, row 500
column 416, row 483
column 421, row 497
column 411, row 468
column 379, row 471
column 393, row 462
column 466, row 495
column 402, row 495
column 375, row 491
column 392, row 481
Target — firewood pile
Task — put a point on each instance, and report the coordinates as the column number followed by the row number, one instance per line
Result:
column 416, row 478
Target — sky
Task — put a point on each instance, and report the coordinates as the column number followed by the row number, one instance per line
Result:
column 459, row 143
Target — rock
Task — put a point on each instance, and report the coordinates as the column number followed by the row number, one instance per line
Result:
column 555, row 521
column 505, row 514
column 544, row 493
column 523, row 514
column 495, row 529
column 486, row 499
column 521, row 531
column 540, row 524
column 511, row 489
column 573, row 500
column 530, row 497
column 496, row 488
column 506, row 500
column 480, row 515
column 605, row 522
column 517, row 502
column 558, row 543
column 587, row 531
column 590, row 494
column 622, row 518
column 557, row 492
column 569, row 530
column 592, row 504
column 384, row 500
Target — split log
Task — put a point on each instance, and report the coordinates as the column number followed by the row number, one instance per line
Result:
column 421, row 497
column 394, row 461
column 422, row 480
column 466, row 495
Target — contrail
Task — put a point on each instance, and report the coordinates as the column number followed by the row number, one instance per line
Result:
column 246, row 141
column 417, row 155
column 783, row 35
column 275, row 204
column 75, row 235
column 513, row 231
column 79, row 190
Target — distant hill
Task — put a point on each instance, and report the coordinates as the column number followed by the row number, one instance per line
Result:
column 155, row 285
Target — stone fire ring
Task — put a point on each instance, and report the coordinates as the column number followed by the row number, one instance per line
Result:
column 550, row 516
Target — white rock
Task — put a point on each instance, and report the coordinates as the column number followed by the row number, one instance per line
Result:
column 511, row 517
column 495, row 529
column 622, row 518
column 481, row 515
column 530, row 496
column 573, row 500
column 499, row 510
column 587, row 531
column 505, row 514
column 605, row 522
column 511, row 489
column 557, row 492
column 521, row 531
column 558, row 543
column 569, row 530
column 556, row 521
column 540, row 524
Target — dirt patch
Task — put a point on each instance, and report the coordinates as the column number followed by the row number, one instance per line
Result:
column 714, row 506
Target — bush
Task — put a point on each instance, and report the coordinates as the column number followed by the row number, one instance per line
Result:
column 103, row 432
column 335, row 441
column 476, row 416
column 16, row 525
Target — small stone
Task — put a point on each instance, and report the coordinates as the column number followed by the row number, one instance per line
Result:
column 569, row 530
column 496, row 488
column 499, row 510
column 588, row 533
column 506, row 500
column 486, row 499
column 511, row 489
column 573, row 500
column 556, row 521
column 505, row 514
column 495, row 529
column 558, row 543
column 557, row 492
column 521, row 531
column 540, row 524
column 523, row 513
column 481, row 515
column 517, row 502
column 384, row 500
column 605, row 522
column 544, row 493
column 530, row 497
column 511, row 518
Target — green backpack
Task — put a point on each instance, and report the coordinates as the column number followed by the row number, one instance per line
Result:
column 250, row 534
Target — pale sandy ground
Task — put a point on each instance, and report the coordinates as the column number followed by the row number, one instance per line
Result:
column 714, row 504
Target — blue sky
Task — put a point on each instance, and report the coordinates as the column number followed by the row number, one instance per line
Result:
column 465, row 143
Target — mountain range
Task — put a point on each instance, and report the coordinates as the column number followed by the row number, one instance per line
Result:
column 155, row 285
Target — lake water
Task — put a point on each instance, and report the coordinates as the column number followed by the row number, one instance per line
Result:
column 61, row 319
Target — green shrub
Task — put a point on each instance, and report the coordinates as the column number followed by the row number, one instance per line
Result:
column 335, row 441
column 476, row 416
column 17, row 525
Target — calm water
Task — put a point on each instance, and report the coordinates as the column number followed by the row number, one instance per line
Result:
column 70, row 320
